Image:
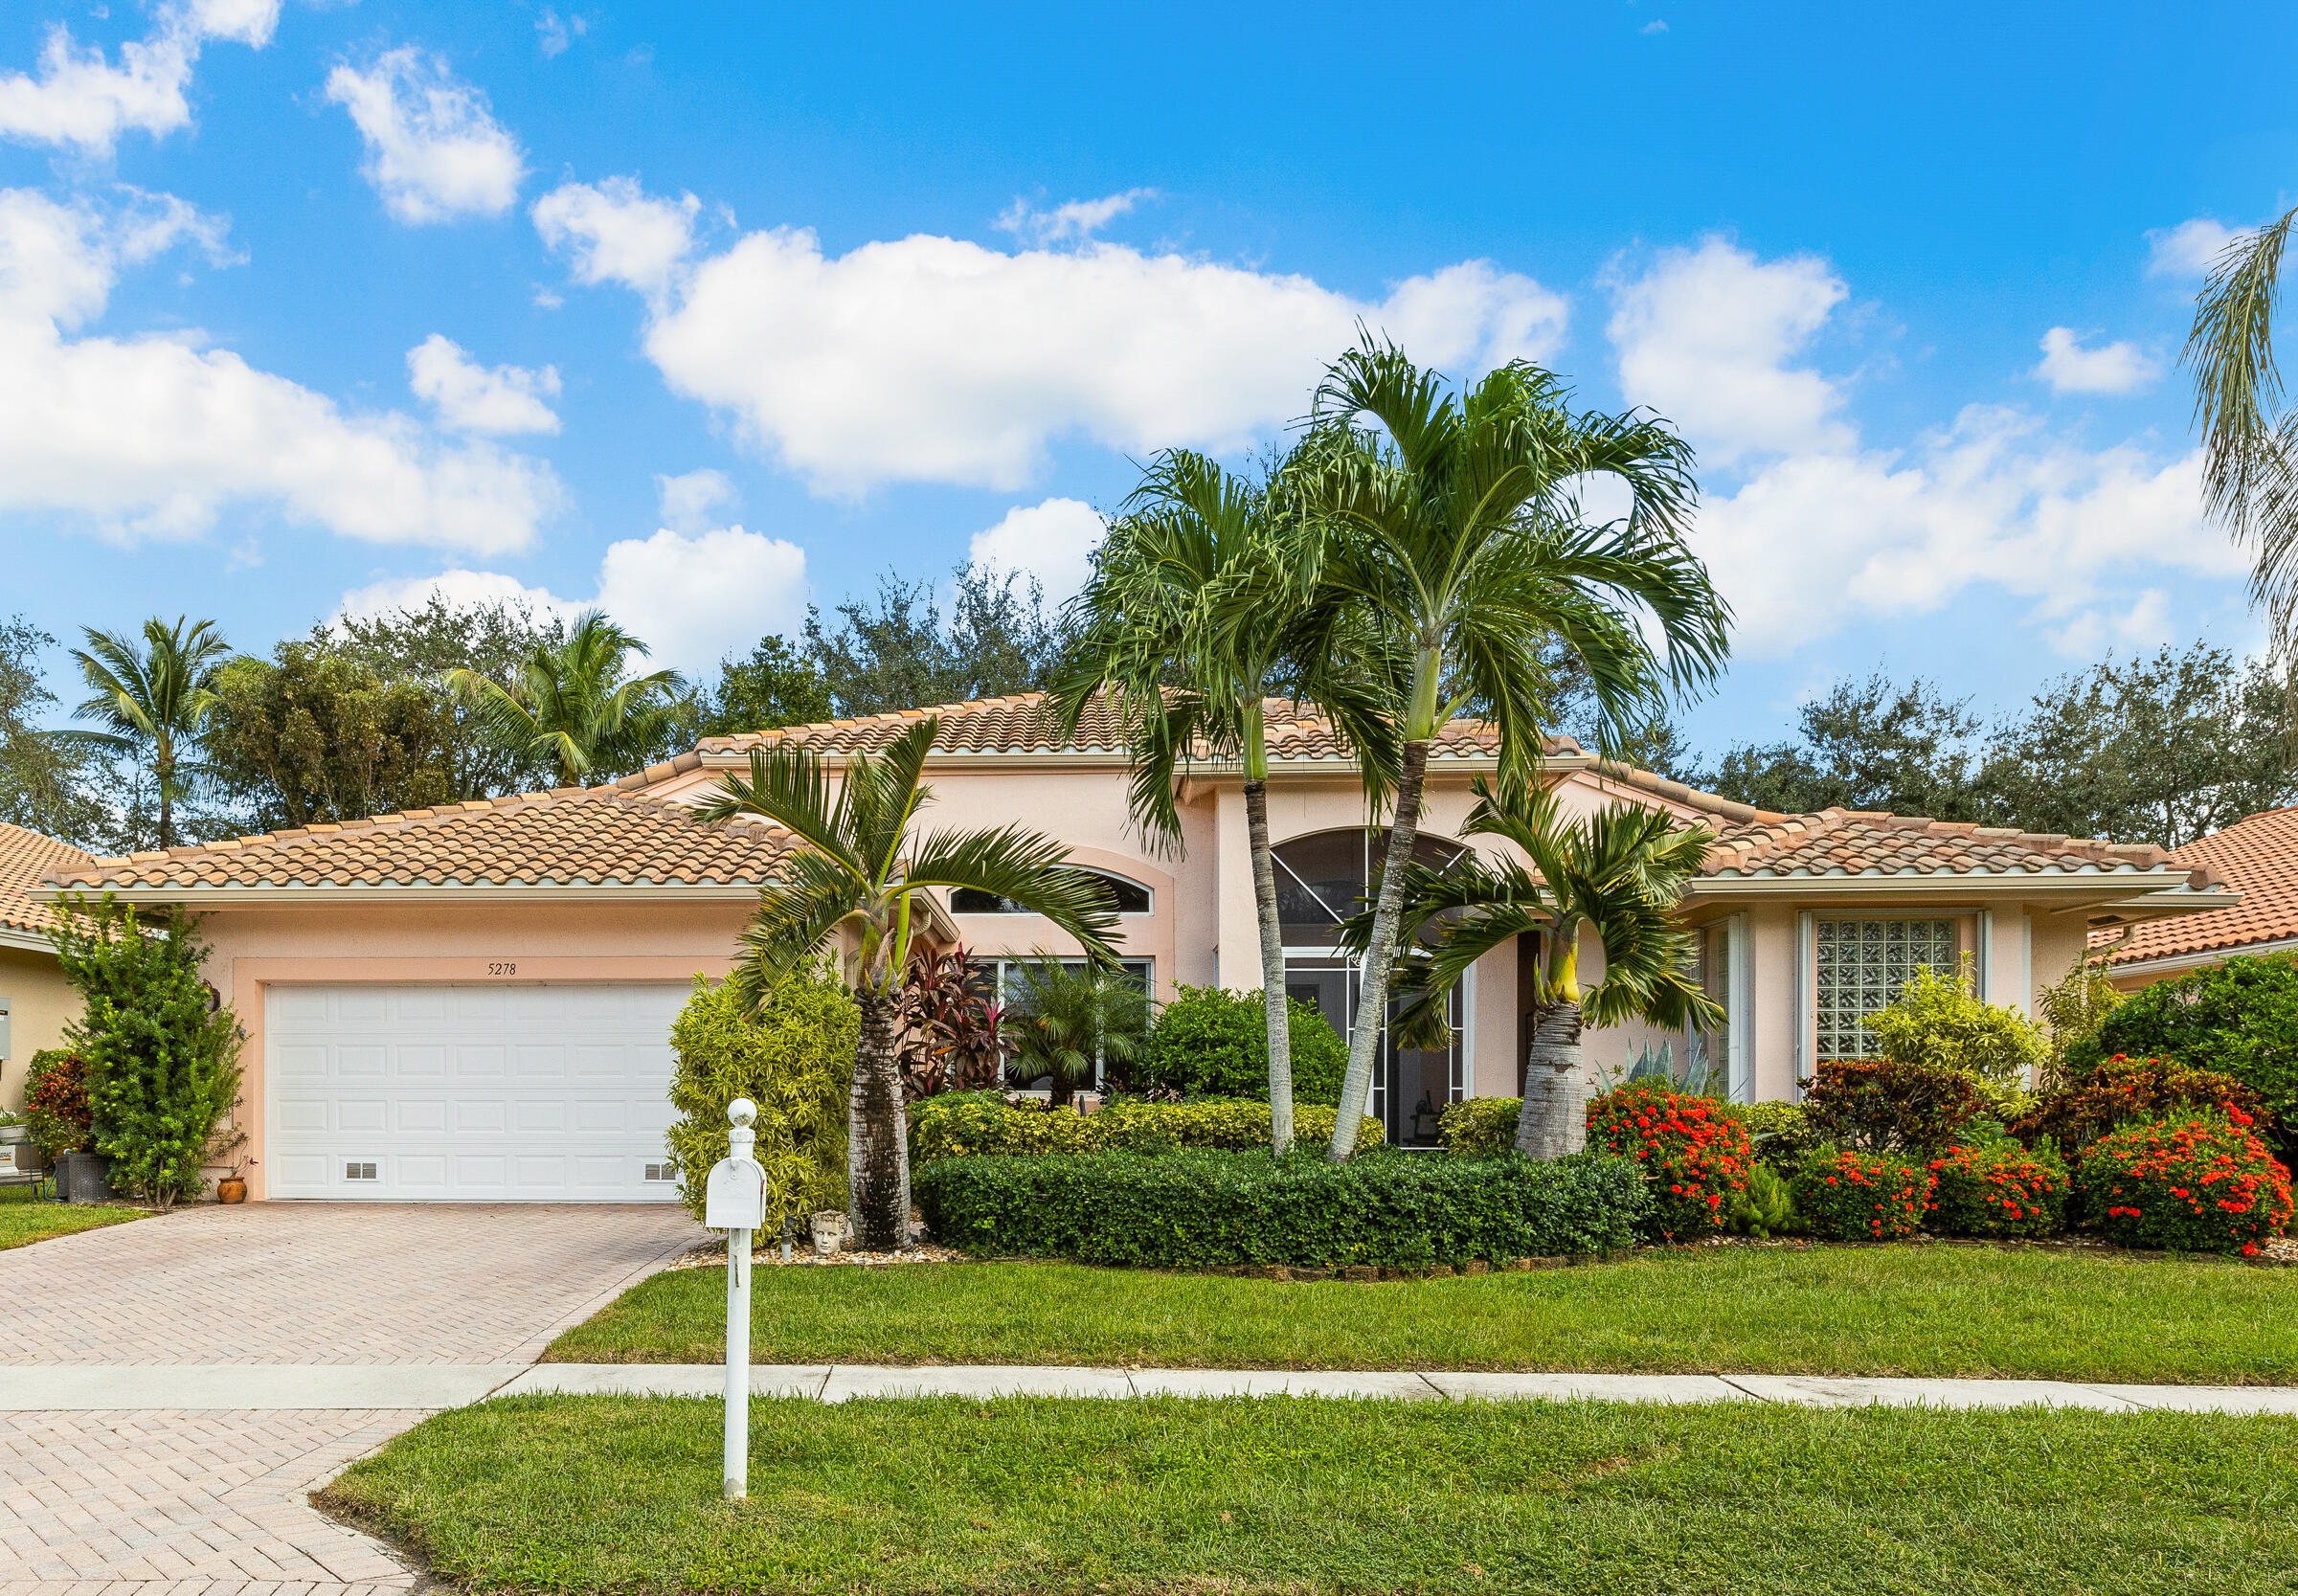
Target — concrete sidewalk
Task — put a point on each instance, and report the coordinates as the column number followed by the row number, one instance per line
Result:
column 312, row 1387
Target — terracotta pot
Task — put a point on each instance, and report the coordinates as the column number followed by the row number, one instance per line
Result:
column 231, row 1191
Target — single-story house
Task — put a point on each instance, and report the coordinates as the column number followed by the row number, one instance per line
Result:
column 35, row 1000
column 2257, row 857
column 473, row 1002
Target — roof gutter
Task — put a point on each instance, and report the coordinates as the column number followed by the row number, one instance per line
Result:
column 2197, row 957
column 233, row 897
column 16, row 937
column 2114, row 882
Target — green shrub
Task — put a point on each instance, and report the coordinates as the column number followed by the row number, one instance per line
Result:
column 2197, row 1183
column 795, row 1061
column 2120, row 1089
column 1765, row 1208
column 1999, row 1190
column 1938, row 1022
column 1479, row 1127
column 1849, row 1196
column 1694, row 1152
column 1204, row 1209
column 1883, row 1105
column 1781, row 1132
column 2240, row 1019
column 162, row 1056
column 973, row 1123
column 55, row 1102
column 1209, row 1043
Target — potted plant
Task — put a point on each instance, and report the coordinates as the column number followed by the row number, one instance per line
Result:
column 230, row 1144
column 233, row 1187
column 63, row 1121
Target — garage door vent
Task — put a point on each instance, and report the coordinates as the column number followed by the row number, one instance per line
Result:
column 661, row 1172
column 359, row 1172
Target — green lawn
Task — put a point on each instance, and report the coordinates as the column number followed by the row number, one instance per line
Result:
column 23, row 1220
column 573, row 1495
column 1882, row 1311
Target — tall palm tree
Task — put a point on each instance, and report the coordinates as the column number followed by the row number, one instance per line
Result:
column 154, row 696
column 571, row 705
column 1619, row 873
column 1454, row 521
column 2249, row 435
column 856, row 869
column 1193, row 619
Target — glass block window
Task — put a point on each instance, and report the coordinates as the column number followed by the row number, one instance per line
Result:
column 1862, row 966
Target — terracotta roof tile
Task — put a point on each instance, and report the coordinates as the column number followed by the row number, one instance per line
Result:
column 2258, row 856
column 27, row 858
column 584, row 837
column 1863, row 843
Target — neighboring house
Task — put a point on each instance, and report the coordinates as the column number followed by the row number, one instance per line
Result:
column 35, row 1000
column 2258, row 858
column 473, row 1002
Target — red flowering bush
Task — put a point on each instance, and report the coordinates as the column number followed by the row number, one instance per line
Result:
column 2199, row 1182
column 2124, row 1089
column 2000, row 1189
column 1861, row 1197
column 1694, row 1152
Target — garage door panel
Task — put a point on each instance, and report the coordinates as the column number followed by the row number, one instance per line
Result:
column 542, row 1093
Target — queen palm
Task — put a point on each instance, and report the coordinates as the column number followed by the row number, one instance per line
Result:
column 1454, row 521
column 855, row 869
column 154, row 696
column 570, row 704
column 1617, row 873
column 1192, row 621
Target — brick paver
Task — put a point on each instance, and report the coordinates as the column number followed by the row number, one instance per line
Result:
column 327, row 1283
column 175, row 1503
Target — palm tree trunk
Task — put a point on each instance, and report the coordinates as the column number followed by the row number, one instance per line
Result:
column 877, row 1151
column 1273, row 968
column 163, row 775
column 1373, row 1003
column 1554, row 1119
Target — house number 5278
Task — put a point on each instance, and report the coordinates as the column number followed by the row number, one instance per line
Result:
column 502, row 968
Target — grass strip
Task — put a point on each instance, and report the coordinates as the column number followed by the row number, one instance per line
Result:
column 25, row 1220
column 580, row 1494
column 1927, row 1310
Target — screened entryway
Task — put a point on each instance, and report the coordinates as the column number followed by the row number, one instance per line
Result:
column 1321, row 880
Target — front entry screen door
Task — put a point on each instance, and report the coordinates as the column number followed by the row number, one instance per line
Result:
column 1410, row 1086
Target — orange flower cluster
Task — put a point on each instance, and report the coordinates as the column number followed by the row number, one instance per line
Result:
column 1862, row 1197
column 2200, row 1182
column 1695, row 1153
column 1998, row 1190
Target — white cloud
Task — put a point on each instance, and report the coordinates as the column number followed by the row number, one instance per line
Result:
column 2188, row 250
column 1655, row 26
column 471, row 397
column 1823, row 528
column 434, row 150
column 156, row 435
column 2145, row 624
column 2118, row 368
column 692, row 600
column 1706, row 337
column 554, row 34
column 616, row 233
column 931, row 359
column 687, row 502
column 82, row 100
column 1077, row 219
column 1053, row 542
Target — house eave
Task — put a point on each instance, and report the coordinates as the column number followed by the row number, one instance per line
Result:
column 232, row 897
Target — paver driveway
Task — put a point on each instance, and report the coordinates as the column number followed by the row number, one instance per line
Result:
column 174, row 1503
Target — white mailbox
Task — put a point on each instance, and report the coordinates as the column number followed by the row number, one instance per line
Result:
column 734, row 1200
column 736, row 1197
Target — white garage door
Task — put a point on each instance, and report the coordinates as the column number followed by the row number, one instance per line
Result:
column 539, row 1093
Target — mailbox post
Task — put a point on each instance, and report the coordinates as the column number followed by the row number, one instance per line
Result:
column 735, row 1201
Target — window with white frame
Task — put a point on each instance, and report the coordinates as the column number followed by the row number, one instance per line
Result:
column 1130, row 897
column 1862, row 966
column 1005, row 982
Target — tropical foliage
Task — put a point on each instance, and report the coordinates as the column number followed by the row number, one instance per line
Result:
column 1939, row 1023
column 160, row 1055
column 2194, row 1182
column 1209, row 1043
column 794, row 1057
column 1068, row 1023
column 1999, row 1190
column 150, row 699
column 1881, row 1105
column 854, row 879
column 2121, row 1088
column 951, row 1034
column 2240, row 1019
column 1853, row 1196
column 1693, row 1152
column 572, row 705
column 55, row 1102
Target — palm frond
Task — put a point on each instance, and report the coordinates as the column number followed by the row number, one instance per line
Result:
column 790, row 785
column 1031, row 869
column 798, row 910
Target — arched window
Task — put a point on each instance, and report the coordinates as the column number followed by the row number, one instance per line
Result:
column 1133, row 898
column 1325, row 877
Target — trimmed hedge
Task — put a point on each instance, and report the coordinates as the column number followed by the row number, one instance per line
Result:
column 1203, row 1209
column 1479, row 1127
column 971, row 1124
column 1212, row 1043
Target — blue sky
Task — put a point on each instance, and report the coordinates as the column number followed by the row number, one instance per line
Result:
column 712, row 310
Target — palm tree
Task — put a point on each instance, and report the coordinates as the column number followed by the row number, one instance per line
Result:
column 2249, row 438
column 156, row 696
column 1191, row 622
column 856, row 869
column 1071, row 1022
column 1457, row 524
column 571, row 705
column 1619, row 873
